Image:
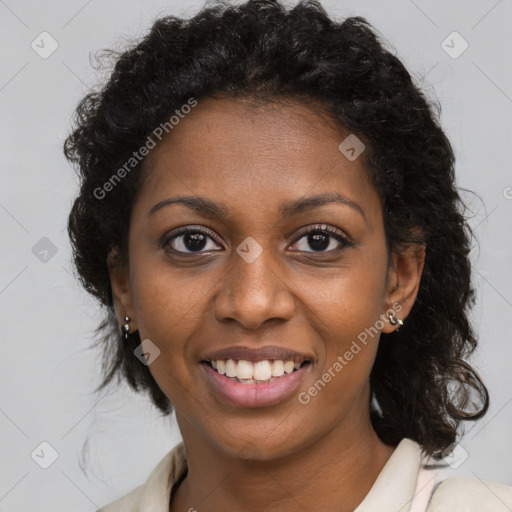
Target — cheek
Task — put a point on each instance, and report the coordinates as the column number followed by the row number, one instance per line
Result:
column 169, row 302
column 350, row 301
column 172, row 305
column 347, row 317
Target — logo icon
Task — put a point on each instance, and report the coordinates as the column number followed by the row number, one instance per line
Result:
column 454, row 45
column 249, row 249
column 147, row 352
column 454, row 455
column 44, row 45
column 351, row 147
column 44, row 455
column 44, row 250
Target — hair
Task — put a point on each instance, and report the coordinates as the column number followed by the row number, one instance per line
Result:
column 422, row 384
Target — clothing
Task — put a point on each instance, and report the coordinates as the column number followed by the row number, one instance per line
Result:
column 406, row 483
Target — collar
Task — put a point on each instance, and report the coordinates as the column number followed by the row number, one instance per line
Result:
column 395, row 487
column 157, row 490
column 394, row 490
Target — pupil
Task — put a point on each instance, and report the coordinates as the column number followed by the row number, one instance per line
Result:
column 318, row 241
column 195, row 241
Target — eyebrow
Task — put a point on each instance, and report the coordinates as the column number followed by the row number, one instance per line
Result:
column 213, row 209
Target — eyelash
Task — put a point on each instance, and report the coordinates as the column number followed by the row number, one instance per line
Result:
column 345, row 241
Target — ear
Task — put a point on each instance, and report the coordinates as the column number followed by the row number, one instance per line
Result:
column 404, row 277
column 121, row 290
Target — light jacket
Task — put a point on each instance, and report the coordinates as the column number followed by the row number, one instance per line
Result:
column 407, row 483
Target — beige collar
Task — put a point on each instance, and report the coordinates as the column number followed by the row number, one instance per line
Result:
column 395, row 490
column 404, row 484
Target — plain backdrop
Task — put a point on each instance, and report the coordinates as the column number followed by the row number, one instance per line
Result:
column 105, row 446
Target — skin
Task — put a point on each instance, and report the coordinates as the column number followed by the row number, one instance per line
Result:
column 253, row 160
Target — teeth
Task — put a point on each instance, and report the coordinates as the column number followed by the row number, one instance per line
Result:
column 230, row 368
column 261, row 371
column 289, row 366
column 277, row 368
column 244, row 369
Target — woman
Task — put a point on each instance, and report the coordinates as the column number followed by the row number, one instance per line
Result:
column 268, row 214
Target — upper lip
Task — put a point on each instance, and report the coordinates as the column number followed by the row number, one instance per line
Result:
column 268, row 352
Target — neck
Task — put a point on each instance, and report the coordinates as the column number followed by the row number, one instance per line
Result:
column 334, row 473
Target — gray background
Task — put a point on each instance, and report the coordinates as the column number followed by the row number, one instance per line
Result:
column 47, row 373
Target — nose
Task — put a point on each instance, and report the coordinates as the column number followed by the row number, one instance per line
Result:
column 253, row 293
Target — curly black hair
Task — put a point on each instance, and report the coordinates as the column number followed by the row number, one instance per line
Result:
column 263, row 50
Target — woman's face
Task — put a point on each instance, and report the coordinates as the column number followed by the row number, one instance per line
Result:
column 248, row 275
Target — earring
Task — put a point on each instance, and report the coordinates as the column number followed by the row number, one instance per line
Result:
column 126, row 327
column 393, row 320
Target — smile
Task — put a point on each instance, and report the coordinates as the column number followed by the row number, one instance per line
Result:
column 253, row 373
column 255, row 385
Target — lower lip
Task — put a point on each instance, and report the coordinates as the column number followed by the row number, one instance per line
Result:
column 255, row 395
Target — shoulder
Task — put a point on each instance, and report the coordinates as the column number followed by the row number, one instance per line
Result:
column 155, row 493
column 127, row 503
column 460, row 494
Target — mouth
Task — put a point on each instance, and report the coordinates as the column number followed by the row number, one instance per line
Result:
column 259, row 372
column 249, row 384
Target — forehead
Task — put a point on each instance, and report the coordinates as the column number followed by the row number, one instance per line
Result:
column 251, row 154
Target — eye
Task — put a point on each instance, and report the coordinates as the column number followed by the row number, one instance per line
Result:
column 322, row 238
column 191, row 240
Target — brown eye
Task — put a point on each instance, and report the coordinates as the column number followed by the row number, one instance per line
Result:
column 191, row 240
column 321, row 239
